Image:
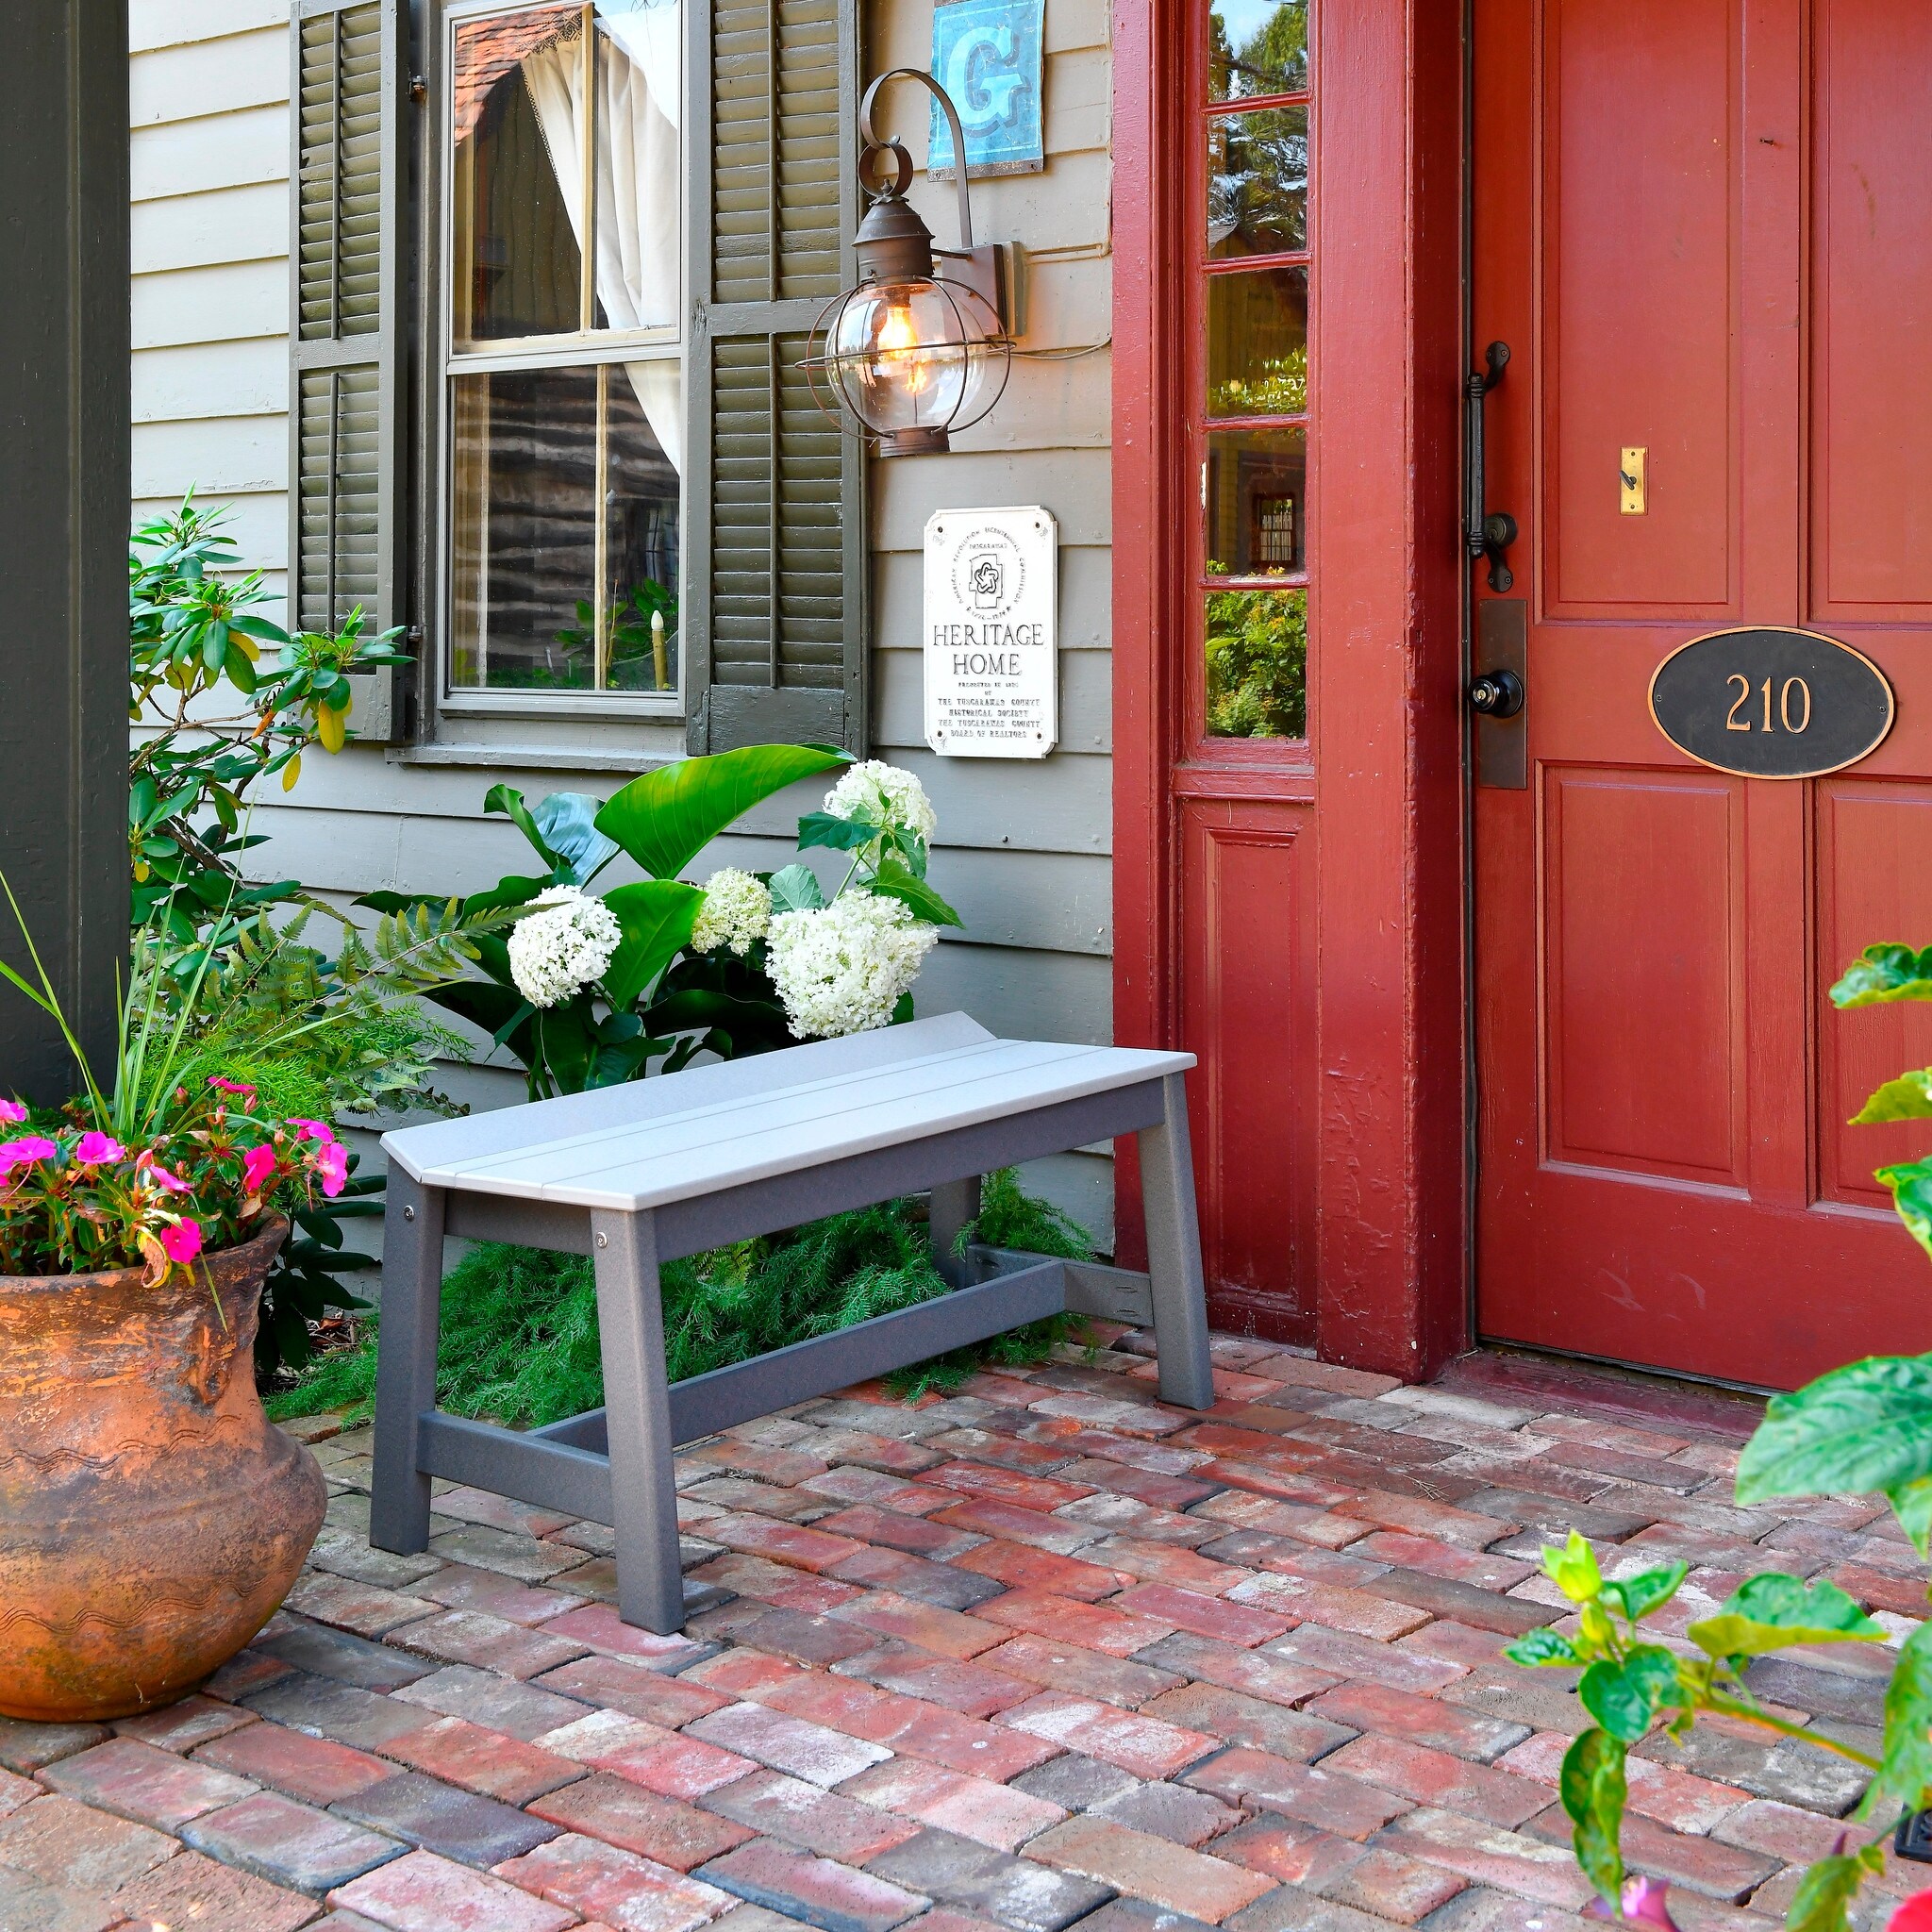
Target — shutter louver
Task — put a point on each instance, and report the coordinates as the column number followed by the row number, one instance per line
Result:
column 775, row 617
column 345, row 448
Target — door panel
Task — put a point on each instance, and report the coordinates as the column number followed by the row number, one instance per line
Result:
column 1639, row 193
column 1634, row 974
column 1871, row 312
column 1665, row 1175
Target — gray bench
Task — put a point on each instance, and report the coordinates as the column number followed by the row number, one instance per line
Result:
column 639, row 1174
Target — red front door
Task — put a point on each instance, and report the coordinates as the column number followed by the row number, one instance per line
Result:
column 1703, row 227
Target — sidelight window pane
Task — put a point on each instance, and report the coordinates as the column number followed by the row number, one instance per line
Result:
column 1257, row 488
column 1257, row 663
column 1258, row 183
column 564, row 538
column 1257, row 342
column 1257, row 48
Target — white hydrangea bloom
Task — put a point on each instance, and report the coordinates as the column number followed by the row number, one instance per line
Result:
column 737, row 913
column 841, row 968
column 876, row 790
column 565, row 941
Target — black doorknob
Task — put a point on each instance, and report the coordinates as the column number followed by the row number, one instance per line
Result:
column 1497, row 694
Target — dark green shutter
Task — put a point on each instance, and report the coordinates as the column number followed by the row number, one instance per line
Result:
column 345, row 499
column 774, row 605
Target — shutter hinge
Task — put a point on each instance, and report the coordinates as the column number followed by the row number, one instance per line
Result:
column 419, row 89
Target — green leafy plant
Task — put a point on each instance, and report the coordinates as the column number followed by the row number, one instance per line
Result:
column 644, row 976
column 1863, row 1429
column 1257, row 663
column 519, row 1339
column 195, row 651
column 631, row 638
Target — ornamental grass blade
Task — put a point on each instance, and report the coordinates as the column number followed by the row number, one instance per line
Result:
column 1864, row 1428
column 665, row 817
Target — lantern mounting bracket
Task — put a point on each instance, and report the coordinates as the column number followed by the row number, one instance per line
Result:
column 892, row 236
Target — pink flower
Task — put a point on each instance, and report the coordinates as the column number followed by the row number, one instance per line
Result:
column 1913, row 1914
column 311, row 1130
column 222, row 1086
column 182, row 1241
column 95, row 1148
column 332, row 1164
column 257, row 1163
column 174, row 1183
column 11, row 1112
column 1644, row 1903
column 20, row 1152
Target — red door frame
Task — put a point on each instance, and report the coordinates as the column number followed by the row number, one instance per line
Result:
column 1391, row 1255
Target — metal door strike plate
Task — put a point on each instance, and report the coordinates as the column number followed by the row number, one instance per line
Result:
column 1630, row 481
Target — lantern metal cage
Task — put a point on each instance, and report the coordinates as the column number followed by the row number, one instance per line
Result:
column 919, row 347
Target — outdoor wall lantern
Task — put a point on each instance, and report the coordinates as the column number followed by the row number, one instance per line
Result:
column 919, row 346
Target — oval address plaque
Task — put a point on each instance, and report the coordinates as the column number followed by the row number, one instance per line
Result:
column 1771, row 704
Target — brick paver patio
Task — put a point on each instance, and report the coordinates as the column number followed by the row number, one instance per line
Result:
column 1046, row 1653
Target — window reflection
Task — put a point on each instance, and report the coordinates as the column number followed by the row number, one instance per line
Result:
column 1257, row 663
column 1257, row 343
column 1255, row 48
column 562, row 484
column 1258, row 183
column 1257, row 501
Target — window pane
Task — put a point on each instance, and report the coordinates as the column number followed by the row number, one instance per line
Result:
column 640, row 163
column 1257, row 343
column 1257, row 501
column 517, row 269
column 1258, row 183
column 536, row 454
column 1257, row 664
column 1255, row 47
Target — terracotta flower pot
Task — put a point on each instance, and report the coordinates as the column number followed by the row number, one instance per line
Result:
column 151, row 1519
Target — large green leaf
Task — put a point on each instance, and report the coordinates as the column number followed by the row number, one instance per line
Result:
column 1910, row 1183
column 657, row 917
column 1625, row 1698
column 796, row 889
column 507, row 799
column 828, row 828
column 896, row 881
column 665, row 817
column 1907, row 1098
column 1826, row 1891
column 1865, row 1427
column 1883, row 974
column 1591, row 1785
column 1637, row 1597
column 1904, row 1771
column 1768, row 1611
column 568, row 822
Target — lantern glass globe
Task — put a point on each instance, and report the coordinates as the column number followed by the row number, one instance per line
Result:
column 912, row 357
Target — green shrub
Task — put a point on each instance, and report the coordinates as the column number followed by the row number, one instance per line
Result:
column 519, row 1339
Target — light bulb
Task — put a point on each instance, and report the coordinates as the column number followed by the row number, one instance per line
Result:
column 897, row 336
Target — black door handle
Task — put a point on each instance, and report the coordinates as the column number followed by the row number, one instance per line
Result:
column 1487, row 533
column 1497, row 694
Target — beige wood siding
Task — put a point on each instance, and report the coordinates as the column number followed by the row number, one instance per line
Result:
column 1024, row 848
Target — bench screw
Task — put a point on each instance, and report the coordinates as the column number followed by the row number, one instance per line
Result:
column 409, row 1215
column 603, row 1241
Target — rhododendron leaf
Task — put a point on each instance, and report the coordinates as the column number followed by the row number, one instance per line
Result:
column 796, row 889
column 892, row 881
column 1827, row 1889
column 1764, row 1613
column 657, row 916
column 1883, row 974
column 1907, row 1098
column 665, row 817
column 1863, row 1429
column 1904, row 1769
column 1591, row 1785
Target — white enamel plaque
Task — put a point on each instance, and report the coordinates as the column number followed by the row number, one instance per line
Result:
column 993, row 633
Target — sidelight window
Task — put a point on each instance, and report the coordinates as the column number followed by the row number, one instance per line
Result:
column 1251, row 407
column 563, row 419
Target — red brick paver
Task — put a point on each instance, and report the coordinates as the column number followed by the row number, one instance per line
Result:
column 1042, row 1654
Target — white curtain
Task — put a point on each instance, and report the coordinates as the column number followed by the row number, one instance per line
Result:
column 639, row 168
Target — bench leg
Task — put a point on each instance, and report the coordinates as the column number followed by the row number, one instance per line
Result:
column 954, row 1205
column 406, row 1364
column 637, row 1408
column 1173, row 1254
